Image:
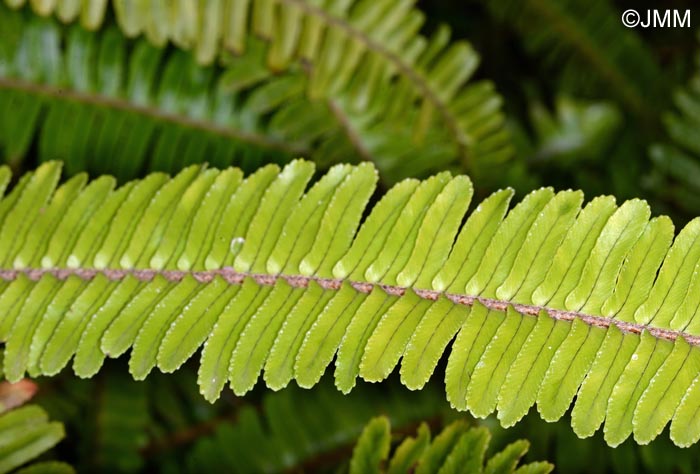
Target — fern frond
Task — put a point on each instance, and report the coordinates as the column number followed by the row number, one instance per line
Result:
column 457, row 448
column 365, row 60
column 26, row 433
column 545, row 302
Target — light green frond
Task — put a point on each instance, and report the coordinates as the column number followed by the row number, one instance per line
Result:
column 551, row 302
column 456, row 449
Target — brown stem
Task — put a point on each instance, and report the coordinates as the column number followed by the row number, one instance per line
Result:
column 299, row 281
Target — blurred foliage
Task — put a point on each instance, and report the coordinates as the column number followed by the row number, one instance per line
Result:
column 676, row 162
column 588, row 104
column 164, row 424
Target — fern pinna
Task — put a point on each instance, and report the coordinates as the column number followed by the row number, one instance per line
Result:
column 546, row 301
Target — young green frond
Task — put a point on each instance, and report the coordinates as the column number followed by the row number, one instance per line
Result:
column 276, row 274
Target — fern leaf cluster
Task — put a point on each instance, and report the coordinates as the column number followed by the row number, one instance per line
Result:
column 388, row 90
column 457, row 448
column 546, row 301
column 559, row 444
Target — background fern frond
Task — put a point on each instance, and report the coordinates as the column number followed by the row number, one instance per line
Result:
column 170, row 426
column 390, row 90
column 594, row 52
column 87, row 95
column 309, row 431
column 676, row 163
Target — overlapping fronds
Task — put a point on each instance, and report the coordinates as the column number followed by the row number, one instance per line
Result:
column 84, row 95
column 306, row 431
column 108, row 105
column 591, row 48
column 457, row 448
column 390, row 88
column 546, row 301
column 164, row 423
column 26, row 433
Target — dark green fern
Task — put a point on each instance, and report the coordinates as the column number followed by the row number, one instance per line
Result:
column 593, row 52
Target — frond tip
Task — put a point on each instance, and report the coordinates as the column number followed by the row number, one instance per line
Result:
column 546, row 302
